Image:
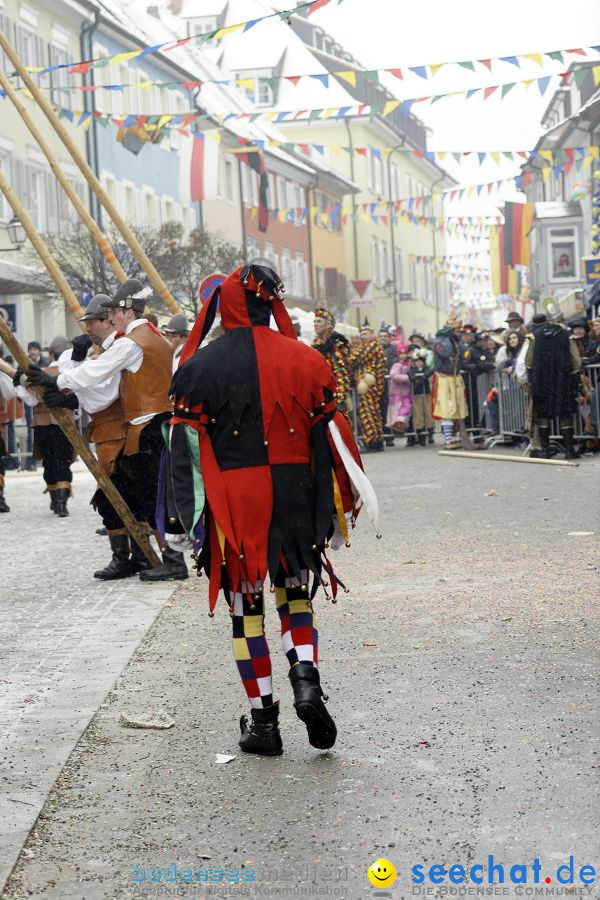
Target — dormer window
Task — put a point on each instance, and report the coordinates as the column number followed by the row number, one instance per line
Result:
column 260, row 91
column 202, row 25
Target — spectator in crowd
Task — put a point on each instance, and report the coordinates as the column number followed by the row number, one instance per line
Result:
column 418, row 341
column 420, row 383
column 400, row 403
column 512, row 376
column 368, row 363
column 385, row 339
column 554, row 367
column 516, row 323
column 595, row 330
column 580, row 329
column 449, row 398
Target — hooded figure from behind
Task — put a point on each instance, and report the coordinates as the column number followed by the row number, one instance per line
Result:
column 262, row 475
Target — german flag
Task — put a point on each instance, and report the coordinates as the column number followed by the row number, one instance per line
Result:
column 518, row 219
column 504, row 278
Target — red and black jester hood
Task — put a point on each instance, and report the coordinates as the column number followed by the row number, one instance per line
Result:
column 247, row 297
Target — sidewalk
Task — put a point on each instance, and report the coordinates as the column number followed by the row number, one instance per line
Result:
column 64, row 640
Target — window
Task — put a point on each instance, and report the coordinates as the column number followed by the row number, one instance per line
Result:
column 6, row 212
column 287, row 270
column 259, row 89
column 410, row 186
column 427, row 292
column 7, row 28
column 186, row 218
column 150, row 211
column 103, row 99
column 399, row 270
column 375, row 171
column 59, row 79
column 228, row 191
column 376, row 260
column 301, row 275
column 281, row 192
column 385, row 269
column 130, row 204
column 30, row 46
column 270, row 254
column 395, row 185
column 202, row 25
column 414, row 282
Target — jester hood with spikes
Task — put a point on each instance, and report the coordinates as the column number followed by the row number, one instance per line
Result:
column 261, row 471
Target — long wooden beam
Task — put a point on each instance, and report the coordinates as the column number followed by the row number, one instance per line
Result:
column 504, row 457
column 130, row 239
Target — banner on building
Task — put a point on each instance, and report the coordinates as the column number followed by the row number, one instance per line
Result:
column 361, row 292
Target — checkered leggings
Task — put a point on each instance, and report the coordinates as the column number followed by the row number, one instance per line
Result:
column 299, row 636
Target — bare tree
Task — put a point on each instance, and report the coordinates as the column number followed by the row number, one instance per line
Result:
column 182, row 262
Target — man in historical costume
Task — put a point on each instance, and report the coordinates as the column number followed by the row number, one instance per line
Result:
column 49, row 443
column 262, row 475
column 336, row 350
column 176, row 332
column 554, row 368
column 142, row 359
column 448, row 389
column 368, row 363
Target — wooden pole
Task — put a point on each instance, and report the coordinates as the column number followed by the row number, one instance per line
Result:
column 103, row 245
column 44, row 254
column 128, row 236
column 504, row 457
column 68, row 428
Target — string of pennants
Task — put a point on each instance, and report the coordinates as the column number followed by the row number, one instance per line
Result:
column 383, row 108
column 83, row 66
column 349, row 76
column 426, row 71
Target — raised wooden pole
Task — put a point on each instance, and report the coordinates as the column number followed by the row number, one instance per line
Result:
column 103, row 245
column 159, row 286
column 62, row 417
column 43, row 252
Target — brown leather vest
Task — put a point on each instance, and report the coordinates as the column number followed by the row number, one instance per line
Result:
column 147, row 390
column 108, row 431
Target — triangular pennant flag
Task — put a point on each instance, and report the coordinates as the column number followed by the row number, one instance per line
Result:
column 481, row 156
column 534, row 57
column 371, row 75
column 390, row 106
column 396, row 72
column 543, row 84
column 350, row 77
column 470, row 93
column 293, row 78
column 486, row 62
column 580, row 76
column 596, row 75
column 467, row 65
column 419, row 70
column 511, row 59
column 506, row 88
column 435, row 67
column 323, row 78
column 556, row 55
column 488, row 91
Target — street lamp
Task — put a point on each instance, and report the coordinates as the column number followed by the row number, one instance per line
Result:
column 16, row 233
column 391, row 289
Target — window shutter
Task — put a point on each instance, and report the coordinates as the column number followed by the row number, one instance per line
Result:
column 51, row 189
column 7, row 27
column 41, row 51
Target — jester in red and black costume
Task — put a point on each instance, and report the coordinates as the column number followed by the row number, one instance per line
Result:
column 263, row 476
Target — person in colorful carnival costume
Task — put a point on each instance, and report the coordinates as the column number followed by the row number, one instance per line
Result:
column 448, row 391
column 368, row 362
column 262, row 475
column 400, row 402
column 336, row 350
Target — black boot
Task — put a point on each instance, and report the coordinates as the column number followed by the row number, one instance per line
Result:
column 263, row 737
column 173, row 568
column 308, row 702
column 423, row 438
column 53, row 501
column 544, row 432
column 61, row 495
column 430, row 438
column 139, row 562
column 120, row 565
column 4, row 507
column 570, row 451
column 411, row 440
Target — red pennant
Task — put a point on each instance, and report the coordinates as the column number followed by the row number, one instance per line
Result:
column 486, row 62
column 579, row 52
column 567, row 167
column 396, row 72
column 569, row 153
column 81, row 68
column 362, row 108
column 294, row 79
column 300, row 113
column 489, row 91
column 318, row 4
column 362, row 151
column 192, row 84
column 305, row 149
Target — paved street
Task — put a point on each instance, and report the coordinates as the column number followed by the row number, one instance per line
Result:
column 461, row 669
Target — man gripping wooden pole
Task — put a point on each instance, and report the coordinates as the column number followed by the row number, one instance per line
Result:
column 103, row 245
column 61, row 415
column 159, row 286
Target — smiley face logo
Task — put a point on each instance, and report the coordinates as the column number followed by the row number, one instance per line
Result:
column 381, row 873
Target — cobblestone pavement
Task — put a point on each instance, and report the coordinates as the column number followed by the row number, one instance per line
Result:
column 462, row 671
column 64, row 639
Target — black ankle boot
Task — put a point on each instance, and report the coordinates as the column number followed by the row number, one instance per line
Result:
column 173, row 568
column 544, row 432
column 53, row 501
column 60, row 502
column 4, row 507
column 139, row 562
column 570, row 451
column 422, row 438
column 263, row 737
column 308, row 702
column 120, row 565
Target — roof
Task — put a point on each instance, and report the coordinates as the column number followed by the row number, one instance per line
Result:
column 577, row 128
column 16, row 279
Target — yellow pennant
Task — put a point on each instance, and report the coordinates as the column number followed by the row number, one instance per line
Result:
column 435, row 67
column 163, row 121
column 124, row 57
column 594, row 150
column 495, row 156
column 228, row 30
column 596, row 75
column 390, row 106
column 331, row 112
column 547, row 155
column 246, row 83
column 535, row 57
column 350, row 77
